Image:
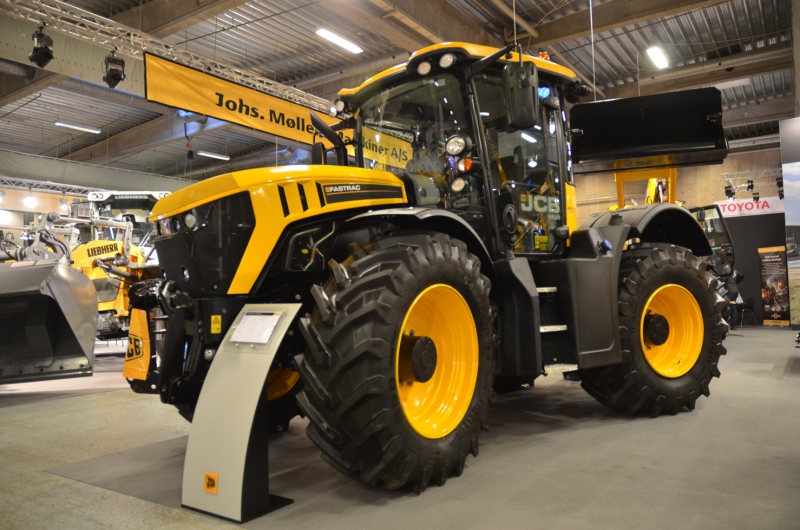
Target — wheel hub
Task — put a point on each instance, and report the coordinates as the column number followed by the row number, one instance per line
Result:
column 436, row 361
column 657, row 328
column 671, row 330
column 422, row 351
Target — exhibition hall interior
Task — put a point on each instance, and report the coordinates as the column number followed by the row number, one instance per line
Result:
column 399, row 263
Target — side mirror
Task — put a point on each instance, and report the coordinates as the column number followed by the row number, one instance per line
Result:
column 318, row 154
column 521, row 87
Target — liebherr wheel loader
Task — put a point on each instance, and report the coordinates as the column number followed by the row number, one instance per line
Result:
column 116, row 254
column 57, row 288
column 438, row 257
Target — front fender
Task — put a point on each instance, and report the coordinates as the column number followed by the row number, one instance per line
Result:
column 434, row 220
column 658, row 223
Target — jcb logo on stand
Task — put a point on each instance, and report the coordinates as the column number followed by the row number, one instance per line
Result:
column 135, row 348
column 210, row 482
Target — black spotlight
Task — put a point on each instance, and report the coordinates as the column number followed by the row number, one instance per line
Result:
column 750, row 185
column 729, row 191
column 42, row 49
column 780, row 193
column 779, row 181
column 756, row 196
column 115, row 70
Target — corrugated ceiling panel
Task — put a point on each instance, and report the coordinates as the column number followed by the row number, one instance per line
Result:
column 278, row 39
column 28, row 124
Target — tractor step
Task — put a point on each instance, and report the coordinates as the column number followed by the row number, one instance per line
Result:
column 559, row 368
column 553, row 328
column 542, row 290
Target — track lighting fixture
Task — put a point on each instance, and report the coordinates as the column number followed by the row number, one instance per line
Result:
column 42, row 48
column 29, row 201
column 750, row 185
column 114, row 68
column 756, row 196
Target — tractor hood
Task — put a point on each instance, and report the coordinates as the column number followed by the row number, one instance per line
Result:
column 224, row 229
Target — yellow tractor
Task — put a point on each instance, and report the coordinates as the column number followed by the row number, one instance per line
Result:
column 438, row 257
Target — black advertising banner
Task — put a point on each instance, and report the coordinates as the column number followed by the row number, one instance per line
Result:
column 774, row 286
column 790, row 158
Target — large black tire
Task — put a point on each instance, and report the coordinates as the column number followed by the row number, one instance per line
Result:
column 350, row 395
column 634, row 386
column 722, row 291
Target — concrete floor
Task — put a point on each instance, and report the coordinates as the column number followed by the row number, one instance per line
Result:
column 553, row 458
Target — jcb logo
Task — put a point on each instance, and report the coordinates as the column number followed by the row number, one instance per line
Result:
column 210, row 483
column 135, row 348
column 539, row 204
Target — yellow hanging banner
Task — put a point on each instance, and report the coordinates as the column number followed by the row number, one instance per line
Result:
column 182, row 87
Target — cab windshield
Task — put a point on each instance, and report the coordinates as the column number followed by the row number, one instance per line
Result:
column 405, row 129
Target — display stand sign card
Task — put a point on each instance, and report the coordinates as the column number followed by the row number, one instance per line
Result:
column 256, row 327
column 774, row 286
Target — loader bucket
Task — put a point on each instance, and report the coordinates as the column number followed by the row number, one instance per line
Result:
column 48, row 321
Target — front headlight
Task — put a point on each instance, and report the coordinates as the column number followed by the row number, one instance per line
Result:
column 190, row 221
column 455, row 145
column 447, row 60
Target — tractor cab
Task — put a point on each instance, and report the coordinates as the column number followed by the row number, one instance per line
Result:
column 479, row 132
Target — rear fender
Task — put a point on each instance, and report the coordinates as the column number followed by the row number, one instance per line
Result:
column 590, row 277
column 658, row 223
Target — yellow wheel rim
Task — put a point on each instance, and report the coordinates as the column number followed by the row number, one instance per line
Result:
column 280, row 381
column 679, row 353
column 436, row 407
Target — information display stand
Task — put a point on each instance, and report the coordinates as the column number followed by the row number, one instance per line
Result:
column 226, row 470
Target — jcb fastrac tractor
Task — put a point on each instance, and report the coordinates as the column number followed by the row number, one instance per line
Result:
column 440, row 259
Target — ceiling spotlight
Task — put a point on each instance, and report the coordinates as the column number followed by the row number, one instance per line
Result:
column 339, row 41
column 114, row 68
column 63, row 204
column 756, row 196
column 779, row 181
column 729, row 191
column 780, row 194
column 213, row 155
column 84, row 128
column 29, row 201
column 750, row 185
column 42, row 48
column 657, row 56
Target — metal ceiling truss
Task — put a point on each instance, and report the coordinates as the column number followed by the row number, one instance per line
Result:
column 764, row 181
column 46, row 187
column 82, row 24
